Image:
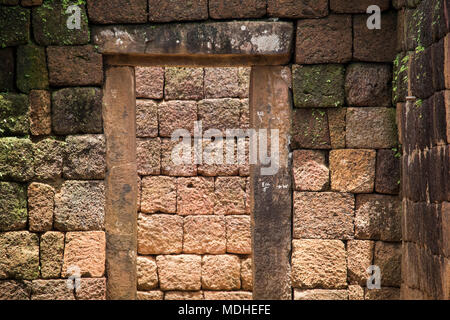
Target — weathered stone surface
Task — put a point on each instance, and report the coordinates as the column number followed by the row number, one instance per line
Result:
column 40, row 207
column 150, row 295
column 146, row 118
column 327, row 40
column 14, row 114
column 355, row 292
column 168, row 167
column 15, row 290
column 371, row 128
column 13, row 206
column 149, row 82
column 15, row 26
column 179, row 272
column 221, row 272
column 48, row 159
column 51, row 290
column 388, row 258
column 325, row 215
column 400, row 78
column 77, row 110
column 293, row 9
column 214, row 161
column 320, row 294
column 177, row 10
column 387, row 172
column 183, row 295
column 309, row 170
column 368, row 85
column 336, row 125
column 19, row 255
column 40, row 113
column 204, row 234
column 31, row 68
column 176, row 114
column 183, row 83
column 229, row 195
column 318, row 86
column 51, row 254
column 246, row 274
column 74, row 66
column 195, row 195
column 86, row 250
column 221, row 83
column 382, row 294
column 219, row 114
column 50, row 24
column 16, row 159
column 239, row 237
column 84, row 157
column 7, row 72
column 234, row 38
column 375, row 45
column 352, row 170
column 148, row 155
column 360, row 6
column 237, row 9
column 360, row 257
column 80, row 206
column 310, row 129
column 147, row 276
column 244, row 120
column 227, row 295
column 159, row 194
column 91, row 289
column 244, row 81
column 319, row 264
column 378, row 217
column 160, row 234
column 117, row 11
column 421, row 73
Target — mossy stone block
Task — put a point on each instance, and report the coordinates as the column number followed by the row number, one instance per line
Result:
column 13, row 206
column 7, row 70
column 16, row 159
column 13, row 114
column 31, row 68
column 318, row 86
column 14, row 26
column 50, row 23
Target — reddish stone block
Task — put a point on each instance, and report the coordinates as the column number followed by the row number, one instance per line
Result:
column 388, row 258
column 40, row 119
column 74, row 66
column 387, row 178
column 239, row 238
column 221, row 83
column 146, row 118
column 310, row 129
column 175, row 115
column 382, row 294
column 149, row 82
column 117, row 11
column 51, row 290
column 214, row 158
column 244, row 81
column 227, row 295
column 150, row 295
column 91, row 289
column 51, row 251
column 204, row 234
column 177, row 10
column 48, row 159
column 183, row 83
column 360, row 6
column 237, row 9
column 147, row 276
column 310, row 171
column 229, row 195
column 377, row 45
column 169, row 167
column 179, row 272
column 40, row 207
column 293, row 9
column 247, row 274
column 336, row 125
column 160, row 234
column 159, row 194
column 221, row 272
column 148, row 155
column 15, row 290
column 195, row 195
column 220, row 114
column 327, row 40
column 183, row 295
column 359, row 258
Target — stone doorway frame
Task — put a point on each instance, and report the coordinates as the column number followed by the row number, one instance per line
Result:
column 266, row 47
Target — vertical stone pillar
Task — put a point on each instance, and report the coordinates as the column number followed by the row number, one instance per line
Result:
column 271, row 195
column 119, row 113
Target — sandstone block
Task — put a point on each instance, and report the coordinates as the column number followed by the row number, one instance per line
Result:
column 177, row 10
column 221, row 272
column 310, row 129
column 293, row 9
column 159, row 194
column 40, row 207
column 382, row 294
column 16, row 159
column 221, row 83
column 40, row 114
column 352, row 170
column 91, row 289
column 204, row 234
column 77, row 110
column 388, row 258
column 336, row 125
column 214, row 161
column 327, row 40
column 146, row 118
column 310, row 171
column 160, row 234
column 15, row 290
column 239, row 237
column 378, row 217
column 359, row 258
column 80, row 206
column 244, row 81
column 319, row 264
column 116, row 11
column 227, row 295
column 229, row 195
column 147, row 276
column 183, row 83
column 148, row 155
column 176, row 114
column 85, row 250
column 344, row 6
column 149, row 82
column 195, row 195
column 355, row 292
column 247, row 274
column 150, row 295
column 169, row 167
column 48, row 159
column 318, row 86
column 14, row 112
column 13, row 206
column 52, row 254
column 320, row 294
column 324, row 215
column 179, row 272
column 31, row 68
column 183, row 295
column 19, row 253
column 51, row 290
column 387, row 172
column 220, row 114
column 237, row 9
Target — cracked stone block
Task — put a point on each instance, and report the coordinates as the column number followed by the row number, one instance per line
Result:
column 247, row 274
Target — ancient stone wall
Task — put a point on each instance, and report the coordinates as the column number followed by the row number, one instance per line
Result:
column 422, row 72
